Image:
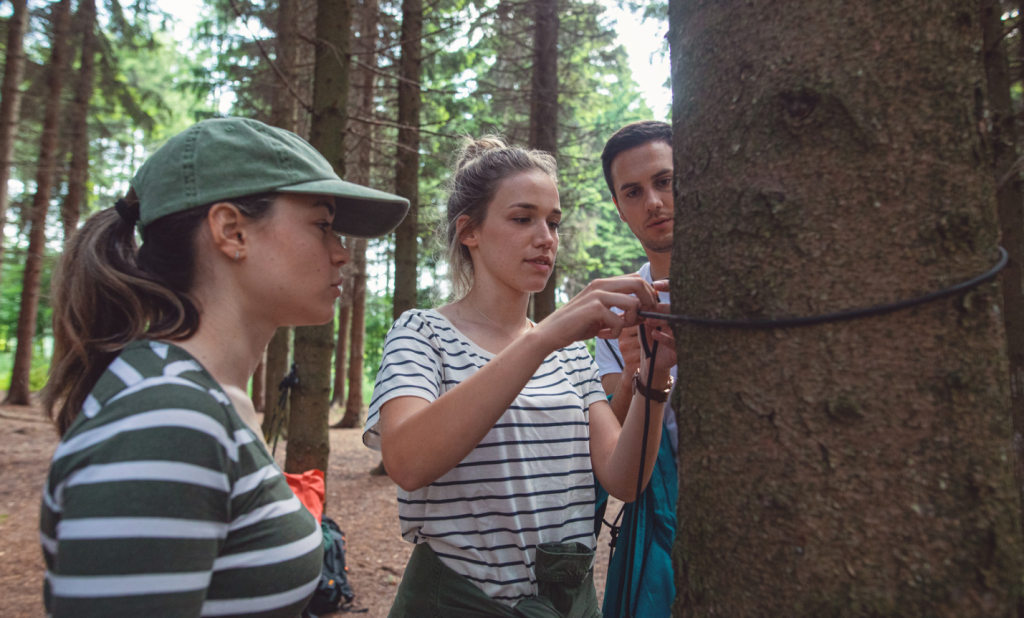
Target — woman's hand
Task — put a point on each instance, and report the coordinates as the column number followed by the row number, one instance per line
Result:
column 660, row 331
column 590, row 314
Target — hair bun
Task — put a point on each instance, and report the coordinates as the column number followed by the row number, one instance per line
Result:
column 473, row 149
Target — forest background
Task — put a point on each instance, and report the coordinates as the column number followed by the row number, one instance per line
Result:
column 128, row 74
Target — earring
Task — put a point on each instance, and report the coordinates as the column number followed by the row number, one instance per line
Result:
column 237, row 253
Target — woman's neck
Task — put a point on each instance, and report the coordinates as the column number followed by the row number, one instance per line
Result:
column 228, row 343
column 504, row 307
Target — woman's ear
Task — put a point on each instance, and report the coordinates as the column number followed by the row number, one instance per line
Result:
column 465, row 232
column 227, row 226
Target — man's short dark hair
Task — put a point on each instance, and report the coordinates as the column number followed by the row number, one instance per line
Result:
column 629, row 137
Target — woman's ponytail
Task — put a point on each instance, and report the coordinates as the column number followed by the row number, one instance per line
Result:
column 107, row 292
column 103, row 300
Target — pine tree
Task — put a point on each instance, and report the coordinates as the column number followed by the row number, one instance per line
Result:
column 544, row 114
column 78, row 175
column 19, row 392
column 10, row 104
column 407, row 157
column 308, row 435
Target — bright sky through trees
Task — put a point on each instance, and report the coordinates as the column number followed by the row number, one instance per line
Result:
column 644, row 43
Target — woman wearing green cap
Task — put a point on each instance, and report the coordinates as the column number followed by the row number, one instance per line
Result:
column 495, row 427
column 162, row 499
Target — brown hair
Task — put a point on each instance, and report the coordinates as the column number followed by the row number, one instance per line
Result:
column 482, row 165
column 108, row 292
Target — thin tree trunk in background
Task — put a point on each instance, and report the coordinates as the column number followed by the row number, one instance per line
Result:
column 79, row 174
column 407, row 157
column 354, row 404
column 544, row 114
column 259, row 385
column 361, row 175
column 10, row 104
column 277, row 364
column 284, row 111
column 341, row 343
column 19, row 393
column 1011, row 214
column 308, row 438
column 859, row 468
column 283, row 115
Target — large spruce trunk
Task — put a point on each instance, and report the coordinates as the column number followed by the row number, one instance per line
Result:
column 10, row 104
column 407, row 157
column 544, row 114
column 71, row 209
column 19, row 392
column 1011, row 212
column 831, row 155
column 309, row 443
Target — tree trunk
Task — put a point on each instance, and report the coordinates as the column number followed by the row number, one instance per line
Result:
column 10, row 104
column 354, row 404
column 275, row 417
column 1011, row 213
column 859, row 468
column 283, row 115
column 544, row 114
column 79, row 173
column 284, row 112
column 361, row 175
column 341, row 344
column 407, row 158
column 259, row 385
column 19, row 393
column 308, row 438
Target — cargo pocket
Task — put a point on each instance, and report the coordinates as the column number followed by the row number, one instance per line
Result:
column 565, row 576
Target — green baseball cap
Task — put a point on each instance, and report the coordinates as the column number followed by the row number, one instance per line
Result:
column 223, row 158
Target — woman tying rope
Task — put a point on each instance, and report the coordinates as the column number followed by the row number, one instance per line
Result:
column 494, row 427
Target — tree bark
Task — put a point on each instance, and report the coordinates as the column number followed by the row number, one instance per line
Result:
column 19, row 393
column 308, row 438
column 284, row 115
column 275, row 416
column 10, row 103
column 1010, row 202
column 354, row 403
column 407, row 158
column 259, row 385
column 361, row 175
column 341, row 344
column 79, row 172
column 284, row 111
column 544, row 114
column 859, row 468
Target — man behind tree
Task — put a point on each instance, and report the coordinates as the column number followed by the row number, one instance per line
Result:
column 637, row 163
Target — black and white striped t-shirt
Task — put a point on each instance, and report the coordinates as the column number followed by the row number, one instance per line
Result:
column 529, row 481
column 161, row 501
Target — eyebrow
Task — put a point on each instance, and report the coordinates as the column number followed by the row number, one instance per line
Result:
column 657, row 174
column 529, row 206
column 329, row 206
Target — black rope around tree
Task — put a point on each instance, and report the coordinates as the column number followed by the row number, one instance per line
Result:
column 651, row 352
column 841, row 316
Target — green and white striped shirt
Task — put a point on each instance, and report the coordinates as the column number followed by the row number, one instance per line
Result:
column 162, row 502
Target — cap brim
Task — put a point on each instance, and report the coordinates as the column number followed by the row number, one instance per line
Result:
column 361, row 212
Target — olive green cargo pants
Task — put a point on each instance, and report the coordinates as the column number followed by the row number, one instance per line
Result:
column 565, row 579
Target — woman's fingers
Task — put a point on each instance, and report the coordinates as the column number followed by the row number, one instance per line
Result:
column 629, row 284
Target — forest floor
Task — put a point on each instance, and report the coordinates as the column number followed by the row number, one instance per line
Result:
column 363, row 505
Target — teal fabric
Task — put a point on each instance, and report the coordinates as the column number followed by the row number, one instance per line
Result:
column 653, row 586
column 565, row 578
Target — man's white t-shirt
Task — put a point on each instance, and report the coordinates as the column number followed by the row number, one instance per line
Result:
column 609, row 360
